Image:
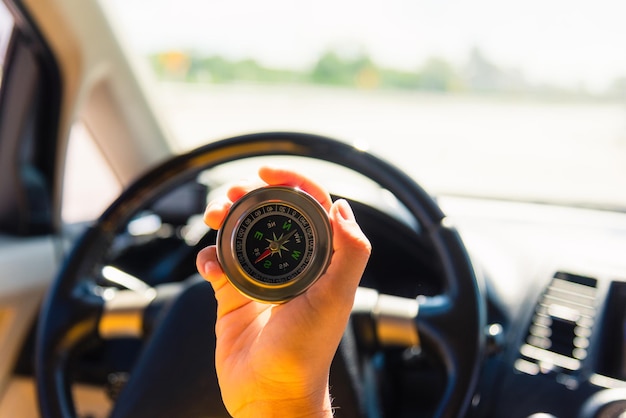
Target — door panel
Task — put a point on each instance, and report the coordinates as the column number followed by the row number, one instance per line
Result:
column 27, row 266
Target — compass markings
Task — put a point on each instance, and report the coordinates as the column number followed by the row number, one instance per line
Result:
column 283, row 229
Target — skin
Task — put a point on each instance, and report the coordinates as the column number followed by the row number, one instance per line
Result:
column 274, row 360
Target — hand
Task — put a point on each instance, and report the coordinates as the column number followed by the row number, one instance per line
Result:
column 274, row 360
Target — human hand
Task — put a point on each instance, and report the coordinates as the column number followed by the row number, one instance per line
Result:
column 274, row 360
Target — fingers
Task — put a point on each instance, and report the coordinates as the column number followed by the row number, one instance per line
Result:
column 281, row 176
column 215, row 212
column 236, row 191
column 217, row 209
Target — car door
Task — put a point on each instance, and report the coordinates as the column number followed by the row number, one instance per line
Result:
column 67, row 147
column 29, row 246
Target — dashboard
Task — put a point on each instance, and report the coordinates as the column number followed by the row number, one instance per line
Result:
column 556, row 285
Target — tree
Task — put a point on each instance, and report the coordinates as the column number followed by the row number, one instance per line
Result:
column 332, row 68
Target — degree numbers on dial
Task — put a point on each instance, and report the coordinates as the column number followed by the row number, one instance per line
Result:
column 274, row 243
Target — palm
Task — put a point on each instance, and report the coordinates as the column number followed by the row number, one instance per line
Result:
column 256, row 350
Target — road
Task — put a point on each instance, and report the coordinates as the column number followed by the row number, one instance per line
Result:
column 569, row 151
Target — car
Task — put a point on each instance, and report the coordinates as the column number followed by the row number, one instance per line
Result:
column 481, row 144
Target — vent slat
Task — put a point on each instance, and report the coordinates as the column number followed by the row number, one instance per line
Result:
column 561, row 327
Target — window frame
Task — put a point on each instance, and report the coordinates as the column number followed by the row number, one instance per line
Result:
column 29, row 115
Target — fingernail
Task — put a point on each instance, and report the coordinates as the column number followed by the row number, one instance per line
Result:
column 345, row 210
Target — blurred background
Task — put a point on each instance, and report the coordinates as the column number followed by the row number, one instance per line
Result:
column 521, row 100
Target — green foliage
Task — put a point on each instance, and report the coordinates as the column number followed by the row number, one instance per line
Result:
column 330, row 69
column 333, row 69
column 477, row 75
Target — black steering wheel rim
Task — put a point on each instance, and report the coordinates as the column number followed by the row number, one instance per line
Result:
column 69, row 316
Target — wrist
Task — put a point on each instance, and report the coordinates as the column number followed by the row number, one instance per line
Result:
column 315, row 406
column 271, row 409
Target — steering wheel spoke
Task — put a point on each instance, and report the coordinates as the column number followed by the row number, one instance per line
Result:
column 123, row 313
column 385, row 320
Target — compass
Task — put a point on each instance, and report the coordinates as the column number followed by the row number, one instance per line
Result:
column 275, row 242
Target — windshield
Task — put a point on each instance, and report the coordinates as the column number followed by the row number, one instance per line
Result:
column 514, row 100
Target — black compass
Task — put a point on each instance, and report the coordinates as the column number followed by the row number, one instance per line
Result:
column 274, row 243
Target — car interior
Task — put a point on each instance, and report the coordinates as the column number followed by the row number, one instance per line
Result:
column 486, row 294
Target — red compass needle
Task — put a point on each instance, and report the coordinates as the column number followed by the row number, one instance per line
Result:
column 265, row 254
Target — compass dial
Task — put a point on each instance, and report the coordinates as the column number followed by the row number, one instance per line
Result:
column 275, row 242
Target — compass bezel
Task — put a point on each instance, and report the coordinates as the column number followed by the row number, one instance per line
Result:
column 229, row 255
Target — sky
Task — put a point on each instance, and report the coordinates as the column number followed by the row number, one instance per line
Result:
column 564, row 42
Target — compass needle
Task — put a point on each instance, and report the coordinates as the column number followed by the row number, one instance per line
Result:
column 264, row 255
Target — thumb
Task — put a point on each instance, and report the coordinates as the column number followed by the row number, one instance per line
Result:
column 351, row 253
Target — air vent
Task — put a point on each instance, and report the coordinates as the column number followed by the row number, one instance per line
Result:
column 558, row 337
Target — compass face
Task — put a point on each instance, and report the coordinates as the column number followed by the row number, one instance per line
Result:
column 275, row 242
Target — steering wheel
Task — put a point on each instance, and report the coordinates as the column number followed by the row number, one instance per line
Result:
column 76, row 312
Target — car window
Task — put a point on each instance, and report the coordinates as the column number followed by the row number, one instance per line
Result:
column 89, row 184
column 6, row 27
